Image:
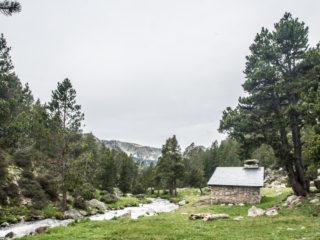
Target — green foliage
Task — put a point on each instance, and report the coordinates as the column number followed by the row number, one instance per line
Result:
column 79, row 202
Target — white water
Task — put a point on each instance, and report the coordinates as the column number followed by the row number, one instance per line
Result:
column 157, row 205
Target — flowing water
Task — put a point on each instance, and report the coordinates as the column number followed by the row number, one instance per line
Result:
column 150, row 209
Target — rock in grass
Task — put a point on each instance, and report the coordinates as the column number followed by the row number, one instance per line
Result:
column 271, row 212
column 254, row 212
column 43, row 229
column 292, row 201
column 315, row 201
column 238, row 218
column 182, row 203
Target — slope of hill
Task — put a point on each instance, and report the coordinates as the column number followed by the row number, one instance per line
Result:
column 140, row 153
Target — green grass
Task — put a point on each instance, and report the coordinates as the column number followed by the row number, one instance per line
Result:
column 300, row 222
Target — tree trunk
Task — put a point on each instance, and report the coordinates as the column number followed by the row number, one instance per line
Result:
column 201, row 191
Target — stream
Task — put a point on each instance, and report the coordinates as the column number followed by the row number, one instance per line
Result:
column 149, row 209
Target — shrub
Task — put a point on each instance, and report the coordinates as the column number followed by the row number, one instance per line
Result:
column 80, row 203
column 32, row 189
column 12, row 191
column 22, row 160
column 49, row 185
column 3, row 197
column 88, row 192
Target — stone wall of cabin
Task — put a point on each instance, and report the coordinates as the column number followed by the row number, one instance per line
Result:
column 230, row 194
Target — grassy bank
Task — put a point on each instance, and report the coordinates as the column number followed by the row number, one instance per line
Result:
column 299, row 222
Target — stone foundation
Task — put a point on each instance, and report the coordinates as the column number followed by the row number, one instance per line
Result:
column 230, row 194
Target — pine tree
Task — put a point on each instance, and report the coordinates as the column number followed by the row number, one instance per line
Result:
column 170, row 167
column 68, row 116
column 273, row 112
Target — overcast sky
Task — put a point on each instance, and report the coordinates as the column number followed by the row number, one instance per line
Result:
column 145, row 70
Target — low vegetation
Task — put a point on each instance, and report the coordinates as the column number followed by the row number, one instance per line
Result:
column 298, row 222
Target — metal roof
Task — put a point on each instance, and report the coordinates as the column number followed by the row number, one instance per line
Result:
column 237, row 176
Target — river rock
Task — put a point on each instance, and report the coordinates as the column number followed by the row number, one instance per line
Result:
column 5, row 224
column 72, row 214
column 316, row 200
column 182, row 203
column 83, row 213
column 253, row 212
column 42, row 229
column 126, row 214
column 9, row 235
column 94, row 203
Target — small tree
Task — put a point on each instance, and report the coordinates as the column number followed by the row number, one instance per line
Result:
column 170, row 167
column 67, row 114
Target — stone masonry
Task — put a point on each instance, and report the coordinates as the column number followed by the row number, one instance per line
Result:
column 235, row 194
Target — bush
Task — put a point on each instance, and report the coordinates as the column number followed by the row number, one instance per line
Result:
column 3, row 167
column 109, row 198
column 80, row 203
column 22, row 160
column 138, row 189
column 32, row 189
column 12, row 192
column 3, row 197
column 49, row 185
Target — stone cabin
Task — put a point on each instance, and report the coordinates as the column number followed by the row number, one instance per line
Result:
column 237, row 184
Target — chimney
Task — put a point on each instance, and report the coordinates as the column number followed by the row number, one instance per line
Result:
column 251, row 163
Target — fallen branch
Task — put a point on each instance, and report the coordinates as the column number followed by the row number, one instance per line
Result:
column 207, row 216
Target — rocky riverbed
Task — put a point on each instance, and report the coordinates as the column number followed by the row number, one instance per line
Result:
column 150, row 209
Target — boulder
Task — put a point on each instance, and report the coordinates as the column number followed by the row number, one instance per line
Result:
column 72, row 214
column 9, row 235
column 241, row 204
column 230, row 204
column 292, row 201
column 83, row 213
column 94, row 203
column 182, row 203
column 4, row 224
column 271, row 212
column 253, row 212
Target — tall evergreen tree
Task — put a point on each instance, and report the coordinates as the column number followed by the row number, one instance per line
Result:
column 170, row 166
column 67, row 114
column 273, row 111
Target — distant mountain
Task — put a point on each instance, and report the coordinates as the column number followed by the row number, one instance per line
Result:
column 138, row 152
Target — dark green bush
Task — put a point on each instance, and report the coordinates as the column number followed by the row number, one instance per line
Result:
column 49, row 185
column 3, row 197
column 80, row 203
column 87, row 191
column 3, row 168
column 12, row 191
column 23, row 159
column 138, row 189
column 32, row 189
